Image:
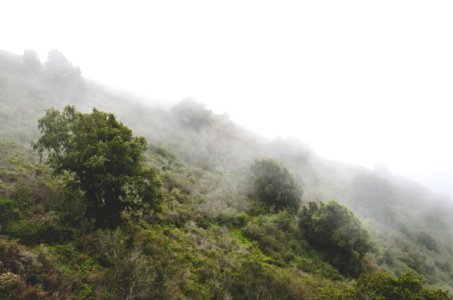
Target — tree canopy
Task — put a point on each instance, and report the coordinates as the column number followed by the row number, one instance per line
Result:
column 274, row 185
column 104, row 158
column 332, row 228
column 192, row 114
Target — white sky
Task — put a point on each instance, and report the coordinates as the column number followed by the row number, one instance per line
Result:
column 360, row 81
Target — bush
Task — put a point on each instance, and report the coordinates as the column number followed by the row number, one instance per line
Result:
column 8, row 212
column 274, row 186
column 24, row 275
column 258, row 280
column 332, row 228
column 380, row 285
column 13, row 286
column 30, row 233
column 427, row 241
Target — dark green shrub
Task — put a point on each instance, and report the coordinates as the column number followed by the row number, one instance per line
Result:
column 333, row 229
column 258, row 280
column 240, row 219
column 274, row 186
column 427, row 241
column 8, row 212
column 30, row 233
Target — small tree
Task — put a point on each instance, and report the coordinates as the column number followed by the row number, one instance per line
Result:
column 332, row 228
column 274, row 186
column 192, row 114
column 105, row 159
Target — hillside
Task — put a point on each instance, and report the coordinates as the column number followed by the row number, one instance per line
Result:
column 210, row 236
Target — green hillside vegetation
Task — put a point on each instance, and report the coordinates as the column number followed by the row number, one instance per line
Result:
column 119, row 200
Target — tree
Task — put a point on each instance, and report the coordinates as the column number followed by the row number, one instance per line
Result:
column 31, row 64
column 104, row 159
column 192, row 114
column 60, row 69
column 62, row 78
column 332, row 228
column 274, row 186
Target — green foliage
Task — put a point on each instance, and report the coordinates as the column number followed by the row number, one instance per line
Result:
column 428, row 241
column 258, row 280
column 332, row 228
column 274, row 186
column 27, row 275
column 13, row 286
column 278, row 237
column 8, row 212
column 105, row 159
column 417, row 261
column 29, row 232
column 128, row 274
column 275, row 235
column 381, row 285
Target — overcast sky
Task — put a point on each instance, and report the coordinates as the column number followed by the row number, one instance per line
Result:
column 360, row 81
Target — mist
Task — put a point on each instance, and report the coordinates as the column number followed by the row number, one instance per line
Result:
column 360, row 83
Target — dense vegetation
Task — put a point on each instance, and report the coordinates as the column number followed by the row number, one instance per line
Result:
column 205, row 210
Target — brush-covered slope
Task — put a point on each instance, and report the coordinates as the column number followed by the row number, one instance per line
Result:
column 210, row 238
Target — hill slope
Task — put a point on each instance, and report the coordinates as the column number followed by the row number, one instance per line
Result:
column 219, row 246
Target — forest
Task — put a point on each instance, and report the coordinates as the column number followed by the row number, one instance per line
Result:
column 105, row 197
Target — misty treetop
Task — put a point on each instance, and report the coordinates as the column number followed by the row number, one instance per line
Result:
column 274, row 186
column 192, row 114
column 103, row 156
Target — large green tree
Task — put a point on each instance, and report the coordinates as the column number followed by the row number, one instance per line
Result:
column 104, row 159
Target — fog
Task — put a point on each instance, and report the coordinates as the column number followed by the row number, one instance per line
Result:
column 361, row 83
